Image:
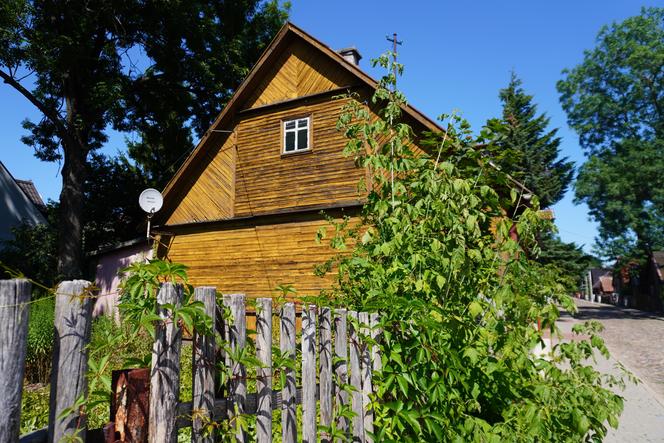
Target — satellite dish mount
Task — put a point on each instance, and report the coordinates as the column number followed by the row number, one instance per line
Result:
column 150, row 201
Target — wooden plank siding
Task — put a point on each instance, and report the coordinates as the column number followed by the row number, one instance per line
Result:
column 255, row 258
column 296, row 73
column 209, row 192
column 267, row 180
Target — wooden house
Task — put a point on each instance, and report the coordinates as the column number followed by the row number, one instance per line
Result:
column 243, row 210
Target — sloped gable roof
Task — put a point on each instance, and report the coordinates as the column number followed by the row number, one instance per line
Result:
column 30, row 190
column 288, row 33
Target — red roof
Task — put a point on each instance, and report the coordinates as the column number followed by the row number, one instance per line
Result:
column 30, row 191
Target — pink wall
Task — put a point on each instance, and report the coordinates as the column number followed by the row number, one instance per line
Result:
column 107, row 278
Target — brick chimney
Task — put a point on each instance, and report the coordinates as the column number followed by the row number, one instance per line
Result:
column 351, row 55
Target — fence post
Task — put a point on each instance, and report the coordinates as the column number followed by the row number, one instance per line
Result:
column 341, row 367
column 309, row 374
column 204, row 369
column 365, row 358
column 73, row 318
column 288, row 392
column 237, row 339
column 356, row 378
column 165, row 371
column 14, row 294
column 264, row 373
column 325, row 375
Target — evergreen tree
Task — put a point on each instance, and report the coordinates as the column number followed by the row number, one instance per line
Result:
column 532, row 149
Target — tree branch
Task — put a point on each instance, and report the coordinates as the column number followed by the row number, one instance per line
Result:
column 48, row 113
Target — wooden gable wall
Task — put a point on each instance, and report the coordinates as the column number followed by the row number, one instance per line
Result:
column 208, row 191
column 298, row 72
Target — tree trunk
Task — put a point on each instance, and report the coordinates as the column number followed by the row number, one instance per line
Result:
column 70, row 248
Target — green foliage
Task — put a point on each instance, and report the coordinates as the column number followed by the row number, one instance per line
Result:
column 458, row 297
column 530, row 151
column 40, row 341
column 32, row 253
column 34, row 408
column 110, row 213
column 617, row 93
column 614, row 100
column 624, row 189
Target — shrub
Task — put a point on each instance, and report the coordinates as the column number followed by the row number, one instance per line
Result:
column 459, row 295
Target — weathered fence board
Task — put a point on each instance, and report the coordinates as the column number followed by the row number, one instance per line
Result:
column 325, row 373
column 165, row 370
column 287, row 344
column 237, row 340
column 309, row 374
column 356, row 377
column 264, row 373
column 367, row 389
column 341, row 367
column 73, row 318
column 14, row 296
column 204, row 361
column 375, row 335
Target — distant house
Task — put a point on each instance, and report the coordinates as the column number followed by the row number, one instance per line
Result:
column 109, row 262
column 652, row 282
column 602, row 283
column 19, row 203
column 641, row 282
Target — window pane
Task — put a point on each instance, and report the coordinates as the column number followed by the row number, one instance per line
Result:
column 290, row 124
column 303, row 123
column 290, row 141
column 302, row 139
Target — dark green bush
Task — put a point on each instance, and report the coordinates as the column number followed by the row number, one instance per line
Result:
column 40, row 341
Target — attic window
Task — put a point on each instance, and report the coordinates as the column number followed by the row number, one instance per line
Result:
column 296, row 134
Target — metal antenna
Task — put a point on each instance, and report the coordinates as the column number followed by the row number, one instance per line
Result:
column 395, row 42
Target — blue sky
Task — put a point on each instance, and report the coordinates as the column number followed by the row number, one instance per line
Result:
column 457, row 55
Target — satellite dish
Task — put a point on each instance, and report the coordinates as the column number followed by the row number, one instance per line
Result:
column 150, row 200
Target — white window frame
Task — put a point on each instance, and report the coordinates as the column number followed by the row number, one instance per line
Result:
column 295, row 130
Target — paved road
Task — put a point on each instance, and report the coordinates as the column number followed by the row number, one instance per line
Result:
column 636, row 339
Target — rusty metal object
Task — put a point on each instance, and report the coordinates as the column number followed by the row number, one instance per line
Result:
column 109, row 433
column 130, row 401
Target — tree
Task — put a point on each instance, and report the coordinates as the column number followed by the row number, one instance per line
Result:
column 109, row 216
column 614, row 100
column 125, row 65
column 532, row 150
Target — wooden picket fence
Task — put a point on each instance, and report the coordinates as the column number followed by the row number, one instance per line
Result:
column 338, row 356
column 322, row 383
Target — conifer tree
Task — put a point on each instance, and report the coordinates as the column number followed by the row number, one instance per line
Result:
column 532, row 148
